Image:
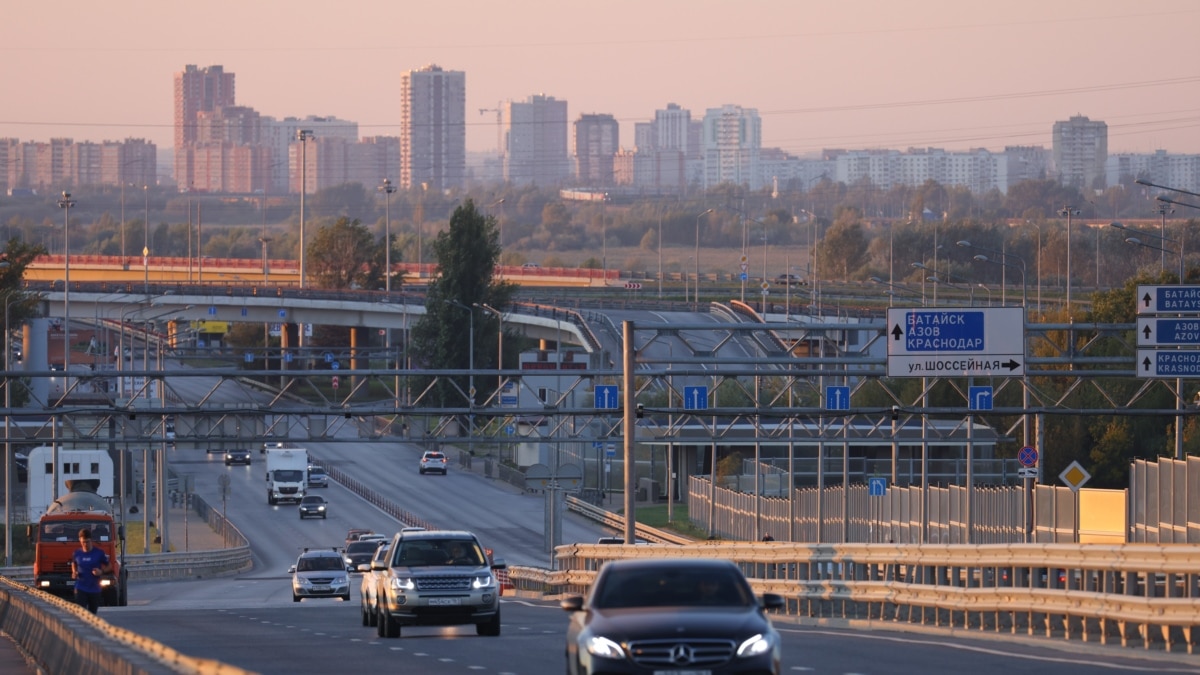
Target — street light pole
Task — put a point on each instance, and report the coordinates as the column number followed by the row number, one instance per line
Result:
column 303, row 135
column 66, row 204
column 146, row 238
column 387, row 189
column 697, row 256
column 499, row 343
column 1068, row 211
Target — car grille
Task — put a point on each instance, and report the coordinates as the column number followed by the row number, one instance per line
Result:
column 448, row 583
column 678, row 653
column 320, row 580
column 287, row 490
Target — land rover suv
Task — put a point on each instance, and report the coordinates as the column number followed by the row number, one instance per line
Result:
column 438, row 578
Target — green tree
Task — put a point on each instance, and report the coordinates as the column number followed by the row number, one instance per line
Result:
column 844, row 248
column 467, row 253
column 344, row 255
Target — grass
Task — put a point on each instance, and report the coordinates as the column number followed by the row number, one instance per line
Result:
column 135, row 542
column 656, row 516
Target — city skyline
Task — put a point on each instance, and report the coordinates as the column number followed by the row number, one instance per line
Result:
column 858, row 75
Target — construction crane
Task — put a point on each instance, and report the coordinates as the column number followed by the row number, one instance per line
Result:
column 499, row 110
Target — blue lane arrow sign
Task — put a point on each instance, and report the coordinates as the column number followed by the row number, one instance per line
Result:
column 979, row 398
column 877, row 486
column 837, row 398
column 606, row 397
column 695, row 398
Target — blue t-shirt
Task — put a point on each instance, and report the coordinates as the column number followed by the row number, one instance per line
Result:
column 85, row 562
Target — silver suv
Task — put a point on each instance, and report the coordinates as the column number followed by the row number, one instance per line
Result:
column 320, row 574
column 438, row 578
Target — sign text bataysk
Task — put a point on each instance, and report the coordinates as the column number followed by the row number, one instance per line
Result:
column 929, row 342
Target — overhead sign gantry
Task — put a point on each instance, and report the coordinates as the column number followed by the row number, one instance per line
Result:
column 965, row 342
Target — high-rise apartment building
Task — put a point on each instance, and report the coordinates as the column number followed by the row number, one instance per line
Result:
column 197, row 90
column 1080, row 150
column 597, row 140
column 536, row 141
column 433, row 128
column 732, row 141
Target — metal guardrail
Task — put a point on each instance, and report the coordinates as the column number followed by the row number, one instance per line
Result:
column 617, row 522
column 1131, row 595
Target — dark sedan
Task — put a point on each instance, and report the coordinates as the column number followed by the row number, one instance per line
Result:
column 240, row 456
column 672, row 615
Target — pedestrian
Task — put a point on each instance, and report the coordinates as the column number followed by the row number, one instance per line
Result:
column 87, row 566
column 768, row 537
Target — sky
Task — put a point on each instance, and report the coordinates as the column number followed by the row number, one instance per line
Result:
column 849, row 74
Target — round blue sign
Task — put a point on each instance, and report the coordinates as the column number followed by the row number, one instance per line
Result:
column 1027, row 456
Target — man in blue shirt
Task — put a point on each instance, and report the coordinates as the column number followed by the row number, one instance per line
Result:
column 87, row 566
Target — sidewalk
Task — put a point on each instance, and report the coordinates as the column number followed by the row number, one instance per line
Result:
column 187, row 531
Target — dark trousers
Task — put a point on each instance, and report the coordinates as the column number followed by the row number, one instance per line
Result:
column 89, row 600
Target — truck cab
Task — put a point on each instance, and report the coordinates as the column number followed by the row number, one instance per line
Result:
column 56, row 538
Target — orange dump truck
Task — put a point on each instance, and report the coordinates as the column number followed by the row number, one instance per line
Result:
column 56, row 538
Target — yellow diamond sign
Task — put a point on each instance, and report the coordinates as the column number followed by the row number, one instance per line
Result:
column 1074, row 476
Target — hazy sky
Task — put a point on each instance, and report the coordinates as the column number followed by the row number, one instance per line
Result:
column 954, row 74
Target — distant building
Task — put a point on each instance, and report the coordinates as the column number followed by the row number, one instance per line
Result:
column 433, row 131
column 197, row 90
column 1080, row 151
column 536, row 142
column 732, row 140
column 1181, row 172
column 597, row 140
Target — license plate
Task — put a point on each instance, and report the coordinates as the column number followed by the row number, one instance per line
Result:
column 445, row 601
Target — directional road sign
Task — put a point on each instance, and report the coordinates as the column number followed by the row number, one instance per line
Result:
column 695, row 398
column 1168, row 363
column 929, row 342
column 876, row 486
column 1168, row 300
column 1152, row 332
column 979, row 398
column 837, row 398
column 606, row 397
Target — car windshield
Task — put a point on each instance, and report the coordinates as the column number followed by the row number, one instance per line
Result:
column 318, row 563
column 362, row 547
column 313, row 501
column 434, row 552
column 630, row 588
column 315, row 471
column 288, row 475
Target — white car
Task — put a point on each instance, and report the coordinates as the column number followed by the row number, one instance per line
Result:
column 433, row 461
column 320, row 574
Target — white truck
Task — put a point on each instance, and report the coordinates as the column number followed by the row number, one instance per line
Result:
column 287, row 474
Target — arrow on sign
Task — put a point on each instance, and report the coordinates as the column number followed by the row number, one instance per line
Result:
column 1146, row 300
column 897, row 333
column 1146, row 363
column 1147, row 332
column 1011, row 365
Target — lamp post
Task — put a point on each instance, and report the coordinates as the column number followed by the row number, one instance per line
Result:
column 499, row 343
column 8, row 451
column 387, row 189
column 697, row 256
column 1068, row 211
column 146, row 238
column 66, row 204
column 1003, row 260
column 303, row 135
column 470, row 348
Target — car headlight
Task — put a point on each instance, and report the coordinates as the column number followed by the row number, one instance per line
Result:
column 604, row 648
column 759, row 644
column 485, row 581
column 320, row 508
column 403, row 584
column 302, row 582
column 338, row 581
column 104, row 583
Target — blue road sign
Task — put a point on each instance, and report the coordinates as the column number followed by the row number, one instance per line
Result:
column 287, row 357
column 877, row 486
column 1168, row 363
column 328, row 357
column 979, row 398
column 1168, row 299
column 606, row 396
column 1153, row 332
column 597, row 445
column 510, row 429
column 745, row 276
column 837, row 398
column 245, row 312
column 611, row 450
column 249, row 357
column 335, row 365
column 943, row 331
column 1027, row 456
column 212, row 311
column 283, row 313
column 508, row 400
column 695, row 398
